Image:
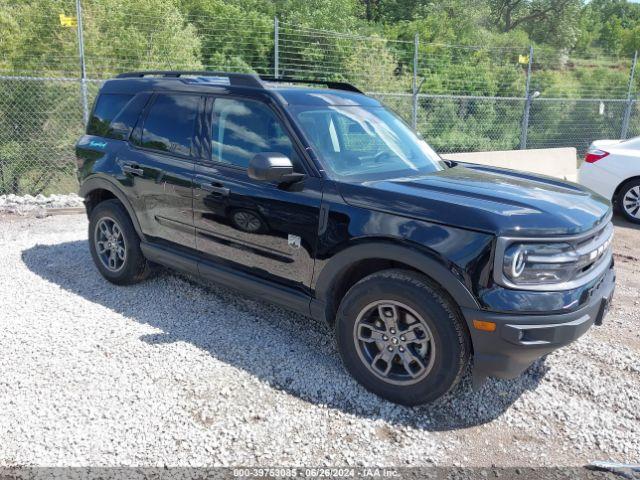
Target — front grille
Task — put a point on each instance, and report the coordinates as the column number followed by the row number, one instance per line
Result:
column 594, row 249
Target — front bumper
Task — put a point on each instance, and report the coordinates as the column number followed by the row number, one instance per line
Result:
column 519, row 340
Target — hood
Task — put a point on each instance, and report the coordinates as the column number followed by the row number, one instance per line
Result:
column 499, row 201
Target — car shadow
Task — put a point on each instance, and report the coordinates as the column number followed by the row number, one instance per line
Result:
column 618, row 221
column 288, row 351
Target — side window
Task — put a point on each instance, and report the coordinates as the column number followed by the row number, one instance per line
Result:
column 169, row 126
column 108, row 105
column 242, row 128
column 123, row 123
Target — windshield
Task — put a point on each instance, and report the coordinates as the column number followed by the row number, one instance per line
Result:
column 365, row 143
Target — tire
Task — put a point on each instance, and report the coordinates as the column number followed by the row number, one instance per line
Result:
column 129, row 267
column 628, row 201
column 409, row 296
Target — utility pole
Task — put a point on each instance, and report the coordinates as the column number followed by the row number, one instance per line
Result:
column 276, row 47
column 527, row 104
column 414, row 84
column 83, row 69
column 627, row 111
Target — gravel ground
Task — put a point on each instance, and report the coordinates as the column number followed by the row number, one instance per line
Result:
column 171, row 372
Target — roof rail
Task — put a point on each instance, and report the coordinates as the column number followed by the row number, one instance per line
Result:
column 241, row 79
column 236, row 79
column 329, row 83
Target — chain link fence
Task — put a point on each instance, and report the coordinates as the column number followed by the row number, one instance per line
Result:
column 459, row 98
column 40, row 121
column 559, row 122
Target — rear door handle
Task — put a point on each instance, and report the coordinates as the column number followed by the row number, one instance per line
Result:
column 133, row 169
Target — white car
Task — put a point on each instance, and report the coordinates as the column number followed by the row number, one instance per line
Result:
column 612, row 169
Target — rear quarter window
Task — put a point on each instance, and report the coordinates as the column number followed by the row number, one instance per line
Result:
column 170, row 123
column 107, row 107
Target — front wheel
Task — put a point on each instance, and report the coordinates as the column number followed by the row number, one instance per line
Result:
column 628, row 201
column 401, row 338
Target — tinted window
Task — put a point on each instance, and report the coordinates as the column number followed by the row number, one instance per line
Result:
column 242, row 128
column 125, row 121
column 169, row 125
column 107, row 106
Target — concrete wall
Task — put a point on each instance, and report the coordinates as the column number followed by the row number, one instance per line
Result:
column 554, row 162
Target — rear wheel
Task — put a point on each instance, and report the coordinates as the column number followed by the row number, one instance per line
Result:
column 628, row 201
column 115, row 245
column 401, row 338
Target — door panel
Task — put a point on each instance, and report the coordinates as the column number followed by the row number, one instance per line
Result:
column 163, row 187
column 253, row 226
column 256, row 226
column 159, row 161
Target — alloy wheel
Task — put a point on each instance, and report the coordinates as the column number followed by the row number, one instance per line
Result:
column 394, row 342
column 631, row 202
column 110, row 244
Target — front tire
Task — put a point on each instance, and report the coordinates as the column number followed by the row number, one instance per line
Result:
column 628, row 201
column 115, row 245
column 401, row 338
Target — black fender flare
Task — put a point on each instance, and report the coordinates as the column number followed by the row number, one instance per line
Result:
column 338, row 265
column 101, row 183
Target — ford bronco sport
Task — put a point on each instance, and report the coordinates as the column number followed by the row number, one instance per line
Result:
column 325, row 202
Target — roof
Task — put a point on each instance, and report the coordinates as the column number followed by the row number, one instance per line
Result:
column 323, row 97
column 287, row 90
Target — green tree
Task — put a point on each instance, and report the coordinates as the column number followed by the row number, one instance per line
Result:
column 145, row 34
column 610, row 25
column 40, row 121
column 510, row 14
column 232, row 36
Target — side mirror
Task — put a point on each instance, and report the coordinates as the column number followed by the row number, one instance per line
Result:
column 272, row 167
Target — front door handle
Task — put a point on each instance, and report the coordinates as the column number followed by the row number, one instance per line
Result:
column 133, row 169
column 212, row 186
column 219, row 189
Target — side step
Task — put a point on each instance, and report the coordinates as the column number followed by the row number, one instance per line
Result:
column 284, row 296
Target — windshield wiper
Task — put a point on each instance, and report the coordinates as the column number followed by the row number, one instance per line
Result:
column 450, row 163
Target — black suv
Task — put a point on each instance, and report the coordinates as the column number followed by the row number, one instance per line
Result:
column 325, row 202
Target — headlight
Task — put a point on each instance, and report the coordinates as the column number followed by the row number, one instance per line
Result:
column 554, row 264
column 539, row 263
